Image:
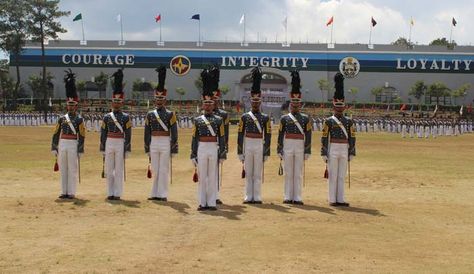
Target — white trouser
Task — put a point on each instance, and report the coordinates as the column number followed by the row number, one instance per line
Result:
column 160, row 164
column 253, row 168
column 337, row 165
column 427, row 132
column 412, row 131
column 404, row 131
column 114, row 163
column 207, row 173
column 68, row 165
column 293, row 157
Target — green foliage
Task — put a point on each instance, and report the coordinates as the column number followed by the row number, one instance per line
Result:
column 418, row 90
column 401, row 41
column 438, row 89
column 35, row 82
column 81, row 88
column 198, row 84
column 181, row 91
column 101, row 80
column 224, row 89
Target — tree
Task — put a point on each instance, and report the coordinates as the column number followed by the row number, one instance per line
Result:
column 460, row 92
column 44, row 15
column 198, row 83
column 81, row 88
column 224, row 89
column 35, row 83
column 180, row 91
column 437, row 90
column 14, row 32
column 441, row 42
column 101, row 81
column 323, row 85
column 376, row 92
column 401, row 41
column 353, row 91
column 418, row 90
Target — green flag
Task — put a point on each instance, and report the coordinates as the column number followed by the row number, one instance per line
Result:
column 78, row 17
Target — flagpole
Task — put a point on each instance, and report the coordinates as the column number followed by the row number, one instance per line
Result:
column 160, row 29
column 451, row 35
column 121, row 29
column 409, row 36
column 82, row 23
column 244, row 27
column 332, row 26
column 370, row 34
column 199, row 29
column 286, row 30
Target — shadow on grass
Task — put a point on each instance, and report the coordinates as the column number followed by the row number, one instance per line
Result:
column 315, row 208
column 230, row 212
column 368, row 211
column 180, row 207
column 273, row 206
column 134, row 204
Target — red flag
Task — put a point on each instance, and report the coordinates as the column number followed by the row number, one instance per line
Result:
column 404, row 106
column 237, row 106
column 469, row 109
column 157, row 18
column 331, row 20
column 373, row 22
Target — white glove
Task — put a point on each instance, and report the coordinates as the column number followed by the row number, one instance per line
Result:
column 195, row 162
column 79, row 155
column 306, row 156
column 54, row 152
column 265, row 158
column 127, row 154
column 241, row 157
column 325, row 158
column 351, row 157
column 221, row 161
column 280, row 155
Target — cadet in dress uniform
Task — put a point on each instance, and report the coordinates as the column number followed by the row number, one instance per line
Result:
column 338, row 145
column 115, row 140
column 294, row 143
column 253, row 142
column 207, row 147
column 161, row 140
column 215, row 75
column 68, row 140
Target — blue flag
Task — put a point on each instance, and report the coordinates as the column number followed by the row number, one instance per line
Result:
column 196, row 17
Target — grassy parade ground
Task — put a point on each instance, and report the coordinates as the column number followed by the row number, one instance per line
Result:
column 412, row 208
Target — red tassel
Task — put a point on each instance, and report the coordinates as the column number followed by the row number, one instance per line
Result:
column 326, row 174
column 148, row 174
column 243, row 172
column 195, row 176
column 56, row 166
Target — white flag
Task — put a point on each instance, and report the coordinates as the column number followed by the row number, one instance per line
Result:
column 119, row 18
column 285, row 21
column 242, row 19
column 50, row 103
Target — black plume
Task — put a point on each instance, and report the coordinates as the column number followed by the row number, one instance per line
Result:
column 257, row 79
column 339, row 86
column 161, row 77
column 295, row 81
column 70, row 81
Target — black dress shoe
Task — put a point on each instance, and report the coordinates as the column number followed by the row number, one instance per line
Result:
column 153, row 199
column 71, row 197
column 201, row 208
column 116, row 198
column 163, row 199
column 287, row 201
column 257, row 202
column 298, row 202
column 219, row 202
column 110, row 198
column 63, row 196
column 334, row 204
column 343, row 204
column 212, row 208
column 247, row 202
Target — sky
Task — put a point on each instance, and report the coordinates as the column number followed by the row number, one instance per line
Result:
column 306, row 20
